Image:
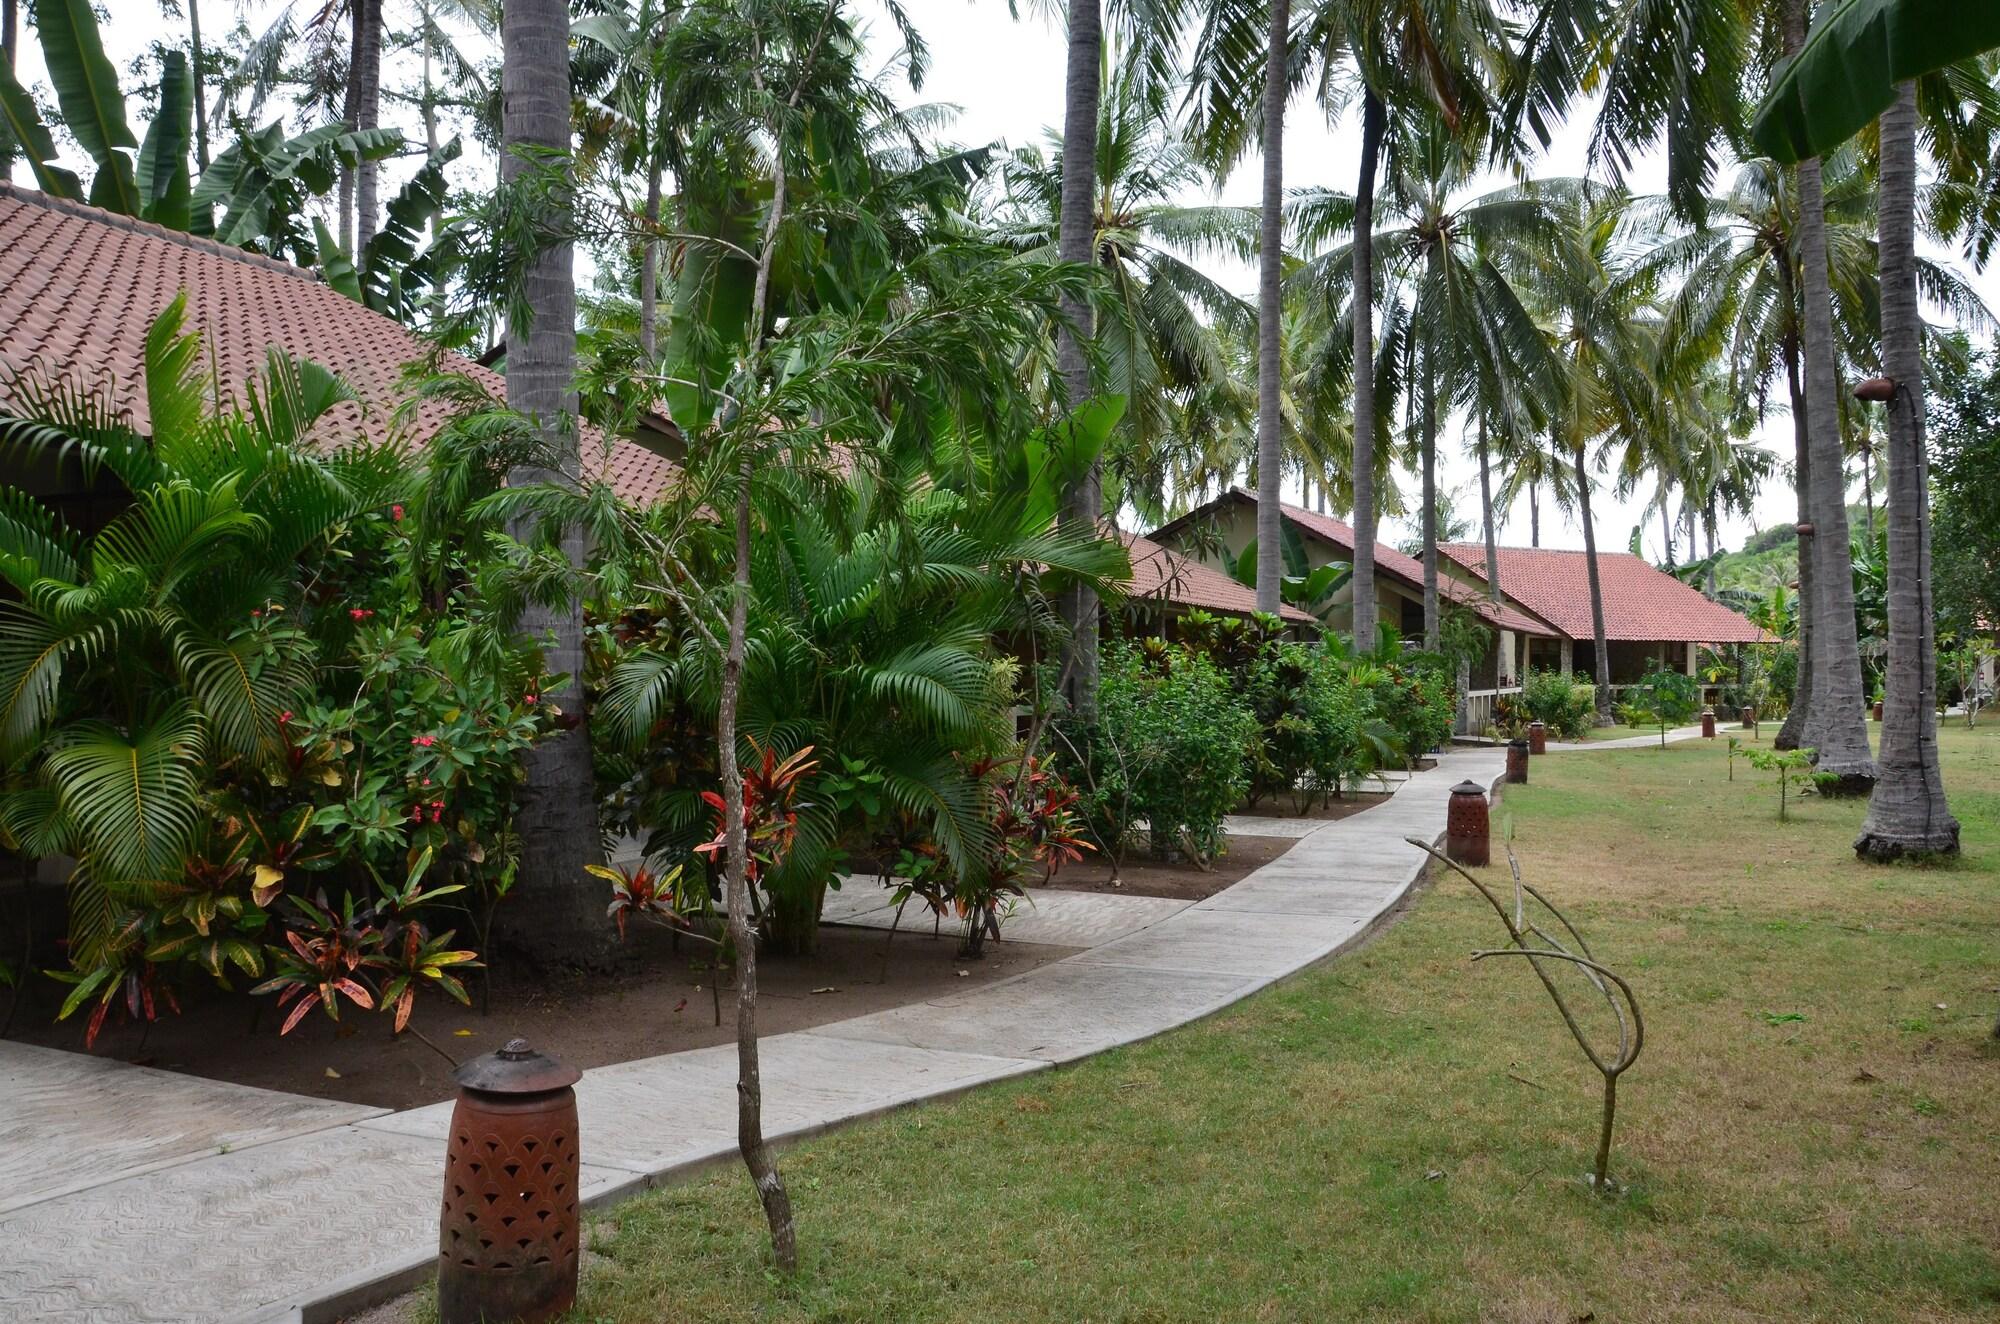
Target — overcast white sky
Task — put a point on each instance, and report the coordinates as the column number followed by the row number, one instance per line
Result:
column 1006, row 76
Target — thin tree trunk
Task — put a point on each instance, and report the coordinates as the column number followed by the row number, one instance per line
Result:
column 431, row 147
column 1796, row 732
column 1599, row 647
column 1907, row 813
column 367, row 80
column 10, row 44
column 1534, row 515
column 1486, row 509
column 1270, row 265
column 199, row 62
column 1868, row 484
column 554, row 912
column 1708, row 525
column 1374, row 121
column 349, row 108
column 1667, row 531
column 1076, row 243
column 1839, row 721
column 1429, row 529
column 649, row 267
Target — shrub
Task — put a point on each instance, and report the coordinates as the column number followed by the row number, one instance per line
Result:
column 1566, row 708
column 1168, row 746
column 1664, row 698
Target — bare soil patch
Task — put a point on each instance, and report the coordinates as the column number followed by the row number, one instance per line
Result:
column 662, row 1004
column 1281, row 806
column 1143, row 875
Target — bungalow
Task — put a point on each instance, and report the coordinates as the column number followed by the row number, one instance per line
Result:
column 1542, row 618
column 81, row 287
column 1220, row 529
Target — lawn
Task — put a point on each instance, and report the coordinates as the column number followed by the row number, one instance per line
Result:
column 1810, row 1134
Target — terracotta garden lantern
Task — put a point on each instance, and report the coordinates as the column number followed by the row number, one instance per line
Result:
column 1708, row 723
column 1517, row 761
column 507, row 1240
column 1538, row 737
column 1749, row 717
column 1466, row 824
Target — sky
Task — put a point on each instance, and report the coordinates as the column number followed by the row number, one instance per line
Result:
column 1005, row 76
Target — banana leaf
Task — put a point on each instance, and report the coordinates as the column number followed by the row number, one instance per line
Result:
column 31, row 138
column 163, row 181
column 1847, row 72
column 93, row 109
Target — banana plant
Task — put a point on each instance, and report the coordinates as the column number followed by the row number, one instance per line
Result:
column 1302, row 585
column 148, row 180
column 263, row 182
column 395, row 272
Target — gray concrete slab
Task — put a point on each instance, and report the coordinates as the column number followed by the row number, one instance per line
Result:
column 1248, row 943
column 1270, row 825
column 1307, row 896
column 1057, row 1013
column 255, row 1231
column 70, row 1121
column 1045, row 915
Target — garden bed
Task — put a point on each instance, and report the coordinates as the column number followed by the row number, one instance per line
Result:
column 1281, row 806
column 1142, row 875
column 663, row 1004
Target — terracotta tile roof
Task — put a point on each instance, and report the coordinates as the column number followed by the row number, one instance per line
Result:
column 1640, row 602
column 1388, row 560
column 80, row 287
column 1165, row 575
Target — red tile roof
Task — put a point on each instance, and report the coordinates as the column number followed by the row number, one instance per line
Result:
column 80, row 287
column 1388, row 560
column 1640, row 602
column 1165, row 575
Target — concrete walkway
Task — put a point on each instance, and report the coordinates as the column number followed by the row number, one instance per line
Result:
column 186, row 1200
column 1639, row 742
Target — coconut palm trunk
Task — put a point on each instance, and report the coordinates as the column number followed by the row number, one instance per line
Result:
column 198, row 61
column 554, row 912
column 1075, row 243
column 1270, row 271
column 1429, row 530
column 1600, row 650
column 1492, row 534
column 1374, row 121
column 366, row 78
column 1838, row 721
column 1796, row 732
column 1907, row 813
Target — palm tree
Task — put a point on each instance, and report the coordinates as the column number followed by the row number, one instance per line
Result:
column 1270, row 276
column 1166, row 329
column 554, row 912
column 1471, row 342
column 1085, row 501
column 1600, row 310
column 1907, row 813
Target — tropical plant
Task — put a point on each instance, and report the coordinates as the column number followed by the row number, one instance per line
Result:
column 1791, row 767
column 1665, row 698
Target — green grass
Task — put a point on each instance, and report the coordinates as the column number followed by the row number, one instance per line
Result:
column 1810, row 1134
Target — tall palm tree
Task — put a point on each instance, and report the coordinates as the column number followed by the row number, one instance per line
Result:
column 1838, row 720
column 1085, row 500
column 1446, row 258
column 1165, row 329
column 1270, row 277
column 1600, row 309
column 555, row 910
column 1907, row 813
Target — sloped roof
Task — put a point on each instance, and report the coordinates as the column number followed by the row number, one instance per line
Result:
column 80, row 287
column 1641, row 603
column 1388, row 560
column 1165, row 575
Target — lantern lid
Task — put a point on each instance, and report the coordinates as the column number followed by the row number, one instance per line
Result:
column 516, row 1069
column 1469, row 787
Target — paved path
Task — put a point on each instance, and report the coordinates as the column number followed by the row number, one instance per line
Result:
column 1637, row 742
column 231, row 1206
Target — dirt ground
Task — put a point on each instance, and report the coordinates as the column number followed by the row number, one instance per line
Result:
column 1141, row 875
column 662, row 1004
column 1281, row 806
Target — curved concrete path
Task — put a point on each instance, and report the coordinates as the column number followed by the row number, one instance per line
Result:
column 318, row 1213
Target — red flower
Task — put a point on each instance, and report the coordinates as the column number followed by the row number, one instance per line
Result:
column 425, row 741
column 255, row 614
column 285, row 716
column 527, row 698
column 396, row 513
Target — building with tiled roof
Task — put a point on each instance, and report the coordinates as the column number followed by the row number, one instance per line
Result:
column 80, row 288
column 1163, row 578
